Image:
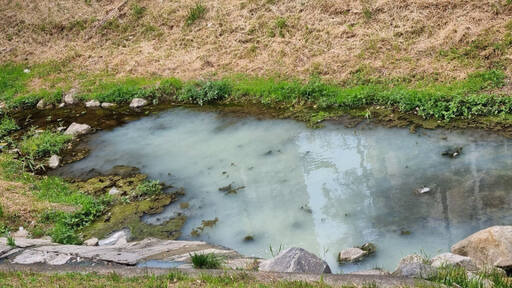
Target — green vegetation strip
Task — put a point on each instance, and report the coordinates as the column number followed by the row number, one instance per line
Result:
column 458, row 99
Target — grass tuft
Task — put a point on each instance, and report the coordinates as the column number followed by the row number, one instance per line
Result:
column 44, row 144
column 195, row 13
column 206, row 261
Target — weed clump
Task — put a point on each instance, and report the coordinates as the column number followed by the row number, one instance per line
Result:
column 195, row 13
column 149, row 188
column 205, row 92
column 7, row 125
column 206, row 261
column 44, row 144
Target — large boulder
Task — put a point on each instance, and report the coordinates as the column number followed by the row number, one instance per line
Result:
column 414, row 266
column 295, row 260
column 76, row 129
column 488, row 247
column 450, row 259
column 138, row 102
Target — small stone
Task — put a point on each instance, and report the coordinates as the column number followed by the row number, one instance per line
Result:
column 423, row 190
column 26, row 70
column 2, row 105
column 92, row 104
column 91, row 242
column 113, row 191
column 107, row 105
column 351, row 255
column 61, row 105
column 61, row 128
column 138, row 102
column 41, row 104
column 54, row 161
column 77, row 129
column 69, row 98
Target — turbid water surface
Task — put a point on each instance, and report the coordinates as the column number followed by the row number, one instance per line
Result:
column 321, row 189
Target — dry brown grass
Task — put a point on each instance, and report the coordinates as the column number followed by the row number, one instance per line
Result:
column 330, row 37
column 22, row 206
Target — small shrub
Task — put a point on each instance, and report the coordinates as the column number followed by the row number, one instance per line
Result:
column 149, row 188
column 195, row 13
column 7, row 126
column 10, row 241
column 44, row 144
column 206, row 261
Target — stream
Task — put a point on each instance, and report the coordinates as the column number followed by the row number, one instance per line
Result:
column 277, row 184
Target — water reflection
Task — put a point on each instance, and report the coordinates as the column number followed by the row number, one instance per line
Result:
column 323, row 190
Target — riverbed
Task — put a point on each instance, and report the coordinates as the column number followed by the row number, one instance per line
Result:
column 274, row 184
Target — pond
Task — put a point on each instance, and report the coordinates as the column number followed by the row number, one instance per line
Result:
column 324, row 190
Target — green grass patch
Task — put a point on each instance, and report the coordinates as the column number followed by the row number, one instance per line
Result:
column 149, row 188
column 7, row 125
column 44, row 144
column 195, row 13
column 12, row 80
column 206, row 261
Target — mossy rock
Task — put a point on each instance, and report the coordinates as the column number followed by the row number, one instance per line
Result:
column 129, row 216
column 101, row 184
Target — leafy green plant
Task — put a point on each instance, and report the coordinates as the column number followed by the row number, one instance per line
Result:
column 44, row 144
column 7, row 125
column 206, row 261
column 149, row 188
column 195, row 13
column 64, row 234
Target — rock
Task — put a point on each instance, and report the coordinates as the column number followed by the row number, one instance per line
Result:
column 77, row 129
column 91, row 242
column 351, row 255
column 370, row 272
column 423, row 190
column 488, row 247
column 295, row 260
column 43, row 105
column 414, row 266
column 21, row 233
column 92, row 104
column 369, row 247
column 35, row 257
column 26, row 70
column 107, row 105
column 54, row 161
column 69, row 98
column 2, row 105
column 138, row 102
column 61, row 105
column 453, row 152
column 113, row 191
column 120, row 236
column 450, row 259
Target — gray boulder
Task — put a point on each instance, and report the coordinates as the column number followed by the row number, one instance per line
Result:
column 450, row 259
column 54, row 161
column 351, row 255
column 76, row 129
column 295, row 260
column 414, row 266
column 138, row 102
column 117, row 238
column 92, row 104
column 488, row 247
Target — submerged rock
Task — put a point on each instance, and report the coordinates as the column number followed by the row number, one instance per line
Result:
column 92, row 104
column 488, row 247
column 54, row 161
column 138, row 102
column 295, row 260
column 414, row 266
column 76, row 129
column 450, row 259
column 452, row 152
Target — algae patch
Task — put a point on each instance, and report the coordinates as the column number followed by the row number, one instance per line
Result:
column 129, row 216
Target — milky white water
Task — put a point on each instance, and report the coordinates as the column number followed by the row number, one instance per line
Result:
column 320, row 189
